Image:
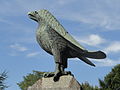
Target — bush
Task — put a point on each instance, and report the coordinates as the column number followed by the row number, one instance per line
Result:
column 30, row 79
column 112, row 80
column 3, row 77
column 87, row 86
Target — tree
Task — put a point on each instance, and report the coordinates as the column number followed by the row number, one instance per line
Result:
column 112, row 80
column 30, row 79
column 87, row 86
column 3, row 77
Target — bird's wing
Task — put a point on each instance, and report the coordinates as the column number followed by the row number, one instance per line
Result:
column 49, row 19
column 88, row 54
column 84, row 59
column 53, row 23
column 94, row 55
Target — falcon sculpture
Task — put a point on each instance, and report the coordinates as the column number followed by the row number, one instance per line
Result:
column 55, row 40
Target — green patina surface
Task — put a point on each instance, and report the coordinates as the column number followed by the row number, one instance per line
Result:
column 55, row 40
column 54, row 23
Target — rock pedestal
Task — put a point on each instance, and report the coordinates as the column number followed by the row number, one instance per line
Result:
column 65, row 83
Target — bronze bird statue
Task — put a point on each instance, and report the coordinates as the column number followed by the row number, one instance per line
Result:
column 55, row 40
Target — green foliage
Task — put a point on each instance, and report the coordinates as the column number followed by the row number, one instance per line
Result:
column 87, row 86
column 3, row 77
column 112, row 80
column 30, row 79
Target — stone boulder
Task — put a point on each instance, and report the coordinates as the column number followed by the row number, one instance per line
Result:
column 65, row 82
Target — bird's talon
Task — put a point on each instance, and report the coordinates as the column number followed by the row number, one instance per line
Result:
column 66, row 73
column 45, row 75
column 57, row 76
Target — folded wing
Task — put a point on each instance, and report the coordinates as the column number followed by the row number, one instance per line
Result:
column 53, row 22
column 83, row 54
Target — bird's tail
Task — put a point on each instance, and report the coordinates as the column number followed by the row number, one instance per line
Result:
column 86, row 60
column 94, row 55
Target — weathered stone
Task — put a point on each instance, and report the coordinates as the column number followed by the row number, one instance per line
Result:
column 66, row 82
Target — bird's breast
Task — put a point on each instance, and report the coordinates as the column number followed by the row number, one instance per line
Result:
column 48, row 38
column 43, row 38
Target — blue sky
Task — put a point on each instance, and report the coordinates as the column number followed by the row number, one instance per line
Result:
column 94, row 23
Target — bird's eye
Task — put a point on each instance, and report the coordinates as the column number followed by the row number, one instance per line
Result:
column 36, row 12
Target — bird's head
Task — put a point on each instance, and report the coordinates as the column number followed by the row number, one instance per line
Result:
column 35, row 16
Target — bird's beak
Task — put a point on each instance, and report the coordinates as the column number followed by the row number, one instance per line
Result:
column 30, row 14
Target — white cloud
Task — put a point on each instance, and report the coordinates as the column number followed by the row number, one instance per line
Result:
column 96, row 19
column 64, row 2
column 5, row 21
column 13, row 54
column 18, row 47
column 106, row 62
column 99, row 13
column 33, row 54
column 113, row 47
column 103, row 62
column 92, row 40
column 18, row 7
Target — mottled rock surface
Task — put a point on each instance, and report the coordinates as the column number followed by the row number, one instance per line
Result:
column 66, row 82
